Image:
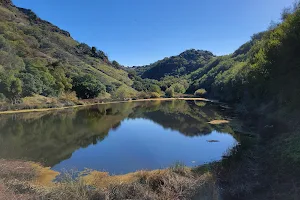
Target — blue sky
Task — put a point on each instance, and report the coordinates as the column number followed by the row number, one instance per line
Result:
column 139, row 32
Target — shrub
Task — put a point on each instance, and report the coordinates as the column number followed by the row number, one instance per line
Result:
column 154, row 95
column 31, row 84
column 2, row 97
column 143, row 95
column 154, row 88
column 200, row 92
column 124, row 92
column 69, row 96
column 116, row 65
column 11, row 61
column 170, row 92
column 10, row 86
column 178, row 88
column 87, row 86
column 111, row 88
column 137, row 85
column 39, row 101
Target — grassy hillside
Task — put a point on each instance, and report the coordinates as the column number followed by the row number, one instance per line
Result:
column 263, row 71
column 224, row 71
column 38, row 58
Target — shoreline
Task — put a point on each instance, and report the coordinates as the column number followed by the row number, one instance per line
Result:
column 102, row 103
column 37, row 182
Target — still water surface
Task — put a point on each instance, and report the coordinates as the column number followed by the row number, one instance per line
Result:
column 118, row 138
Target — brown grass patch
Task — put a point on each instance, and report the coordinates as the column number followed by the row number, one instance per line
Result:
column 44, row 176
column 15, row 180
column 16, row 170
column 174, row 183
column 26, row 180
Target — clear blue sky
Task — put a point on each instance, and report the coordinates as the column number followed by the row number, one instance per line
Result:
column 138, row 32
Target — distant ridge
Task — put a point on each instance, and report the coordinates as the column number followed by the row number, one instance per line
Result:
column 184, row 63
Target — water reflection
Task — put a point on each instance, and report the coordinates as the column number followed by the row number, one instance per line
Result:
column 134, row 135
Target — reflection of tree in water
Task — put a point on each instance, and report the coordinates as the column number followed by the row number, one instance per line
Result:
column 180, row 122
column 51, row 137
column 184, row 116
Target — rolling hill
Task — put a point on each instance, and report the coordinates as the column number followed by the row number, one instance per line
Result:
column 179, row 65
column 37, row 57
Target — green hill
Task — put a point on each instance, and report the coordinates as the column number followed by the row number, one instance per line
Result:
column 264, row 71
column 179, row 65
column 37, row 57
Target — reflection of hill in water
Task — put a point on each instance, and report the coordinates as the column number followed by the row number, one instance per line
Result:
column 55, row 136
column 187, row 117
column 51, row 137
column 183, row 123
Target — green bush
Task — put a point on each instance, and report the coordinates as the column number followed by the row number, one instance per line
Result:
column 137, row 85
column 178, row 88
column 200, row 92
column 143, row 95
column 154, row 95
column 87, row 86
column 169, row 92
column 69, row 96
column 110, row 88
column 2, row 97
column 154, row 88
column 31, row 84
column 10, row 86
column 124, row 92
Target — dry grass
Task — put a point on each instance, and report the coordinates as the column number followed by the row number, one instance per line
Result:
column 15, row 180
column 69, row 96
column 72, row 187
column 173, row 183
column 22, row 180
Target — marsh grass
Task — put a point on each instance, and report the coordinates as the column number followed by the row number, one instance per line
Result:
column 18, row 181
column 15, row 180
column 72, row 187
column 177, row 182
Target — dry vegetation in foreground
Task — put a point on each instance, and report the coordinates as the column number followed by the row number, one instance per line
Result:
column 26, row 180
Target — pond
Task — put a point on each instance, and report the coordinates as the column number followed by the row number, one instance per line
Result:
column 118, row 138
